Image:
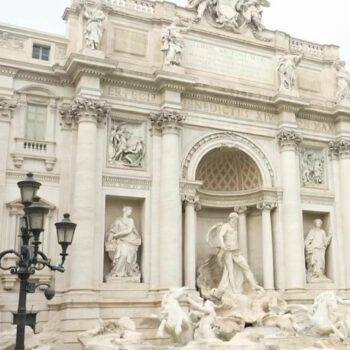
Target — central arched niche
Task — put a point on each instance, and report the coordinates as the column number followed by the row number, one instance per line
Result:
column 229, row 170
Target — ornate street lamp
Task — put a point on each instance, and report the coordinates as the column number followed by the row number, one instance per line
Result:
column 29, row 257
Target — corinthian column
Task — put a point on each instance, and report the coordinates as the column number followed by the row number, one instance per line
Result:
column 6, row 109
column 170, row 237
column 86, row 113
column 191, row 205
column 341, row 150
column 268, row 267
column 289, row 141
column 242, row 230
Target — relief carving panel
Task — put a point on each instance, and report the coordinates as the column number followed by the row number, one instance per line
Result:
column 313, row 165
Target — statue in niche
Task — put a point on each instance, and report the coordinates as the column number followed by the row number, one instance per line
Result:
column 343, row 81
column 313, row 164
column 173, row 42
column 316, row 243
column 125, row 148
column 287, row 71
column 94, row 26
column 122, row 244
column 226, row 272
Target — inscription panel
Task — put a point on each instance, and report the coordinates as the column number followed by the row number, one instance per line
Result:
column 131, row 42
column 228, row 61
column 316, row 125
column 130, row 94
column 228, row 111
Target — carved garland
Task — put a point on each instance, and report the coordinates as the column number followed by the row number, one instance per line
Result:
column 222, row 136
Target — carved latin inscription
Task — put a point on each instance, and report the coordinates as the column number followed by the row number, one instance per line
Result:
column 228, row 61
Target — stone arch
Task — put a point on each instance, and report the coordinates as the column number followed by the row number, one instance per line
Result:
column 227, row 140
column 37, row 90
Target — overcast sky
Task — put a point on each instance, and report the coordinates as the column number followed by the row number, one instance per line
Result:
column 320, row 21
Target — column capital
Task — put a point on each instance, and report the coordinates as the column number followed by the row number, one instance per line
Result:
column 84, row 109
column 167, row 119
column 7, row 106
column 339, row 148
column 266, row 205
column 289, row 138
column 189, row 199
column 240, row 210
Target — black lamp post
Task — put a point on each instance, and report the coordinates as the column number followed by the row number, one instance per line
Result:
column 29, row 257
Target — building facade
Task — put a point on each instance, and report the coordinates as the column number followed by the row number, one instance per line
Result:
column 147, row 105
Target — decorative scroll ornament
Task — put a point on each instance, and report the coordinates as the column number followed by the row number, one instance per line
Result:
column 238, row 16
column 289, row 138
column 167, row 118
column 173, row 42
column 71, row 113
column 6, row 108
column 312, row 167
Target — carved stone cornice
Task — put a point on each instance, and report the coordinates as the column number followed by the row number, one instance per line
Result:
column 266, row 205
column 167, row 119
column 84, row 109
column 291, row 104
column 289, row 138
column 339, row 148
column 7, row 106
column 191, row 200
column 8, row 71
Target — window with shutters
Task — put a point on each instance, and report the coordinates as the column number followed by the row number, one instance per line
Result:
column 36, row 122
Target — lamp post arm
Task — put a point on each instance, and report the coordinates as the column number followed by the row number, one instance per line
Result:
column 47, row 262
column 9, row 252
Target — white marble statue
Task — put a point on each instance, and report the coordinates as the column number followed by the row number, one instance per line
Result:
column 94, row 26
column 316, row 243
column 229, row 263
column 111, row 335
column 125, row 148
column 203, row 316
column 235, row 15
column 343, row 81
column 173, row 42
column 319, row 320
column 174, row 321
column 122, row 244
column 287, row 71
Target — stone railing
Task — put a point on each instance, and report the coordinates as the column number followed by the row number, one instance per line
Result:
column 32, row 149
column 137, row 5
column 307, row 48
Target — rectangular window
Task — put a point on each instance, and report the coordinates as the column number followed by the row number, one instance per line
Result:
column 41, row 52
column 36, row 122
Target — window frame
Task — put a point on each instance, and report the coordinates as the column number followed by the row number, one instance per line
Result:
column 41, row 47
column 35, row 122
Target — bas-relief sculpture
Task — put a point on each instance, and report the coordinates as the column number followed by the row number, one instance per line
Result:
column 237, row 15
column 122, row 244
column 125, row 148
column 312, row 167
column 94, row 26
column 343, row 81
column 316, row 243
column 287, row 71
column 173, row 42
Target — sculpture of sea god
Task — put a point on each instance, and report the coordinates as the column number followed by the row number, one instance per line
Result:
column 343, row 81
column 227, row 272
column 173, row 42
column 316, row 243
column 124, row 147
column 122, row 244
column 236, row 15
column 94, row 26
column 287, row 67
